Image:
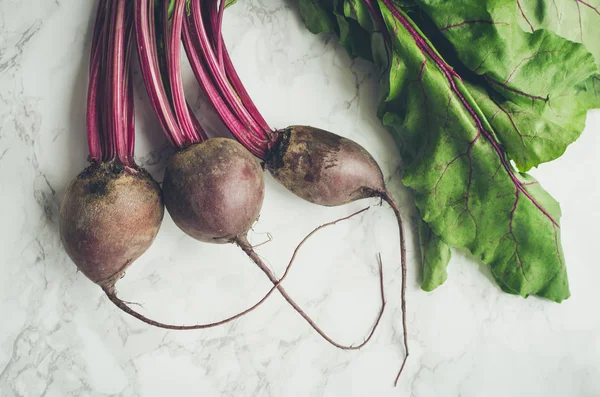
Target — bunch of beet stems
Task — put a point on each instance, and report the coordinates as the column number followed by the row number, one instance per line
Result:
column 110, row 108
column 158, row 38
column 316, row 165
column 113, row 209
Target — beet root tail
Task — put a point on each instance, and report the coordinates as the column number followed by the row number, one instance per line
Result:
column 385, row 196
column 121, row 304
column 243, row 243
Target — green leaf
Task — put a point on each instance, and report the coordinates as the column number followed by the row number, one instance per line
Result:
column 465, row 186
column 536, row 109
column 590, row 92
column 358, row 11
column 171, row 8
column 435, row 255
column 314, row 16
column 529, row 136
column 576, row 20
column 358, row 44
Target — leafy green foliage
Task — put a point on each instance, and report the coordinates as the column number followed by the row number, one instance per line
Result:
column 435, row 256
column 518, row 99
column 316, row 19
column 535, row 107
column 576, row 20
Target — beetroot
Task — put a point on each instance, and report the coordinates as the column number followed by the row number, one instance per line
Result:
column 324, row 168
column 109, row 217
column 112, row 210
column 214, row 190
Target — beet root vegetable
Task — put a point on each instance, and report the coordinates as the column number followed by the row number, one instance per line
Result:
column 324, row 168
column 327, row 169
column 109, row 217
column 112, row 210
column 214, row 190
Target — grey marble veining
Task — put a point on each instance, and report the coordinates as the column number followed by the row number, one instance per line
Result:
column 59, row 336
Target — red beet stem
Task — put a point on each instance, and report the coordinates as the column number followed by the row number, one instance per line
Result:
column 219, row 43
column 223, row 97
column 116, row 98
column 128, row 107
column 162, row 75
column 217, row 74
column 190, row 43
column 215, row 35
column 148, row 56
column 93, row 118
column 109, row 115
column 173, row 51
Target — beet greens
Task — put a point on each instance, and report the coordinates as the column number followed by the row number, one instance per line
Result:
column 466, row 93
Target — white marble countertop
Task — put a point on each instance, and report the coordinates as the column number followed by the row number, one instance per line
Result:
column 60, row 336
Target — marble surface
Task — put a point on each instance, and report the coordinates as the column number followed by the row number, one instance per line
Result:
column 59, row 336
